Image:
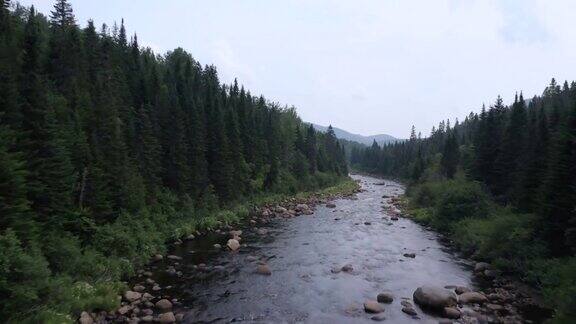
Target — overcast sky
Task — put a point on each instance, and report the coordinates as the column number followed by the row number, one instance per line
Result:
column 369, row 67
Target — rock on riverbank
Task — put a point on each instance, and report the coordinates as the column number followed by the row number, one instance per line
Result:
column 147, row 301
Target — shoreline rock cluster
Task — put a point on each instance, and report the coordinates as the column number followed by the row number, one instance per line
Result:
column 148, row 302
column 499, row 300
column 450, row 303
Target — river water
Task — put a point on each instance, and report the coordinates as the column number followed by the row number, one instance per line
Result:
column 301, row 253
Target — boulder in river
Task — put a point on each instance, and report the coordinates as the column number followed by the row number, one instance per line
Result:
column 302, row 207
column 233, row 244
column 461, row 289
column 124, row 310
column 85, row 318
column 174, row 258
column 434, row 297
column 132, row 296
column 264, row 269
column 236, row 233
column 386, row 298
column 409, row 310
column 138, row 288
column 217, row 246
column 147, row 311
column 158, row 257
column 372, row 306
column 167, row 318
column 451, row 312
column 410, row 255
column 406, row 303
column 472, row 297
column 378, row 318
column 347, row 268
column 164, row 305
column 330, row 205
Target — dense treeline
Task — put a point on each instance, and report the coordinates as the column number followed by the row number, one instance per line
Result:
column 104, row 145
column 507, row 173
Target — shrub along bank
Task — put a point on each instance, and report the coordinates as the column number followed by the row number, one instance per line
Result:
column 487, row 231
column 90, row 277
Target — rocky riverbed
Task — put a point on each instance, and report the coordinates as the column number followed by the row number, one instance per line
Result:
column 344, row 260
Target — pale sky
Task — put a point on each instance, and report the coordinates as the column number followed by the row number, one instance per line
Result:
column 367, row 66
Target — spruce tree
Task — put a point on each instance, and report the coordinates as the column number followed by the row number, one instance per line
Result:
column 62, row 16
column 311, row 150
column 558, row 221
column 8, row 67
column 450, row 156
column 14, row 204
column 508, row 164
column 241, row 170
column 536, row 161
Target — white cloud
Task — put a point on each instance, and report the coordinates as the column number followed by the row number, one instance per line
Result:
column 369, row 66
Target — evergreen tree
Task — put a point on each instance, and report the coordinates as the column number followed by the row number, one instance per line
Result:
column 508, row 163
column 62, row 16
column 8, row 66
column 14, row 204
column 450, row 156
column 419, row 166
column 559, row 208
column 536, row 162
column 311, row 150
column 197, row 160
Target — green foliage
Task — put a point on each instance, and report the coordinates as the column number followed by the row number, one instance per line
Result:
column 451, row 200
column 505, row 238
column 450, row 156
column 108, row 150
column 24, row 276
column 460, row 199
column 558, row 282
column 486, row 231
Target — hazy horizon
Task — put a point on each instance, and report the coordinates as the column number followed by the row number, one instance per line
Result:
column 375, row 67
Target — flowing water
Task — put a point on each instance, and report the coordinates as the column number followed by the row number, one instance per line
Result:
column 301, row 253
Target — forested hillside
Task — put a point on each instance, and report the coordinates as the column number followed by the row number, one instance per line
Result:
column 502, row 183
column 108, row 149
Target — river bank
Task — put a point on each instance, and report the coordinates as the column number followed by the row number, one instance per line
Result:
column 505, row 299
column 136, row 303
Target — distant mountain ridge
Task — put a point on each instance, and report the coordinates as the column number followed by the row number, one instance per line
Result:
column 381, row 139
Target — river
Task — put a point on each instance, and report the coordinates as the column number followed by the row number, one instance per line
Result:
column 301, row 252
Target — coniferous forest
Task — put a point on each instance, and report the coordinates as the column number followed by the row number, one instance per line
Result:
column 501, row 184
column 108, row 149
column 121, row 167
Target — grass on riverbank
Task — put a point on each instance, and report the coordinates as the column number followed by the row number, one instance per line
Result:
column 87, row 275
column 486, row 231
